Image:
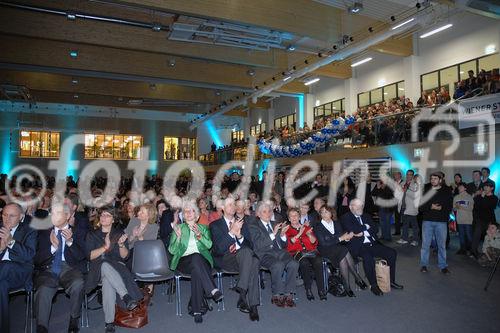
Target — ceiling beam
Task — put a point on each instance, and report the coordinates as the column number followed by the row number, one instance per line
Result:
column 337, row 70
column 301, row 17
column 116, row 88
column 55, row 27
column 33, row 51
column 402, row 47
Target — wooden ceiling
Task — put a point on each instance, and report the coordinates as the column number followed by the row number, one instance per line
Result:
column 117, row 63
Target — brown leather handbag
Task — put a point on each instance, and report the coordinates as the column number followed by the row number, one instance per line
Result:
column 136, row 318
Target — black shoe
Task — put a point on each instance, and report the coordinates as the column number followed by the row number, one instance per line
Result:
column 243, row 306
column 198, row 318
column 350, row 293
column 309, row 295
column 322, row 295
column 254, row 313
column 130, row 304
column 74, row 326
column 41, row 329
column 396, row 286
column 461, row 252
column 217, row 296
column 376, row 290
column 110, row 328
column 396, row 234
column 423, row 269
column 445, row 271
column 361, row 284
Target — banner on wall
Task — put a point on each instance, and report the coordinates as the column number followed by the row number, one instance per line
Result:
column 476, row 110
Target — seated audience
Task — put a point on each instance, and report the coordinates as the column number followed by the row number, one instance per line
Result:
column 107, row 248
column 17, row 249
column 190, row 245
column 269, row 244
column 60, row 261
column 302, row 246
column 365, row 244
column 233, row 252
column 142, row 227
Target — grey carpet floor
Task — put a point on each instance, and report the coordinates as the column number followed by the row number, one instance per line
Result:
column 429, row 302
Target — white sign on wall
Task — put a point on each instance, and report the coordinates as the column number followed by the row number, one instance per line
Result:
column 474, row 111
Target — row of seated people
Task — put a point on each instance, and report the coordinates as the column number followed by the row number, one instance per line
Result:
column 66, row 253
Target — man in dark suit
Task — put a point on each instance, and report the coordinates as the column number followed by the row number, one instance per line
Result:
column 17, row 249
column 60, row 262
column 78, row 220
column 365, row 244
column 269, row 244
column 232, row 250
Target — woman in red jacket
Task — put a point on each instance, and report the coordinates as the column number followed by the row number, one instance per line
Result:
column 301, row 244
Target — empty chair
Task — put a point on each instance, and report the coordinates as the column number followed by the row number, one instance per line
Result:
column 150, row 262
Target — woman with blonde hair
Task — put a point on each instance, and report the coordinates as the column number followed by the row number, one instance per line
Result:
column 144, row 226
column 190, row 245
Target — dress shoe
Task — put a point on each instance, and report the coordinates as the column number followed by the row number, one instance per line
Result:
column 396, row 286
column 110, row 328
column 445, row 271
column 74, row 326
column 279, row 301
column 254, row 313
column 361, row 284
column 217, row 296
column 423, row 269
column 41, row 329
column 289, row 302
column 350, row 293
column 130, row 304
column 243, row 306
column 309, row 295
column 376, row 290
column 322, row 295
column 198, row 318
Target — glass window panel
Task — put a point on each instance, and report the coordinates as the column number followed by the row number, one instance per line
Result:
column 24, row 144
column 170, row 147
column 490, row 62
column 89, row 146
column 390, row 92
column 44, row 144
column 467, row 66
column 277, row 123
column 263, row 127
column 108, row 146
column 99, row 142
column 35, row 144
column 376, row 96
column 54, row 144
column 128, row 140
column 448, row 77
column 401, row 89
column 118, row 146
column 430, row 81
column 364, row 99
column 328, row 109
column 291, row 119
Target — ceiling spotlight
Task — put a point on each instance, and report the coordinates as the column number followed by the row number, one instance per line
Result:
column 265, row 82
column 345, row 39
column 418, row 5
column 355, row 8
column 370, row 29
column 294, row 68
column 256, row 87
column 152, row 86
column 74, row 81
column 311, row 81
column 306, row 62
column 71, row 16
column 334, row 47
column 250, row 72
column 290, row 48
column 75, row 96
column 73, row 53
column 351, row 39
column 171, row 62
column 393, row 18
column 320, row 55
column 217, row 93
column 156, row 27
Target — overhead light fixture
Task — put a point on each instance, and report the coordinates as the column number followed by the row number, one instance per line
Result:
column 287, row 78
column 71, row 16
column 73, row 53
column 402, row 23
column 311, row 81
column 250, row 72
column 290, row 48
column 402, row 89
column 171, row 62
column 489, row 49
column 361, row 62
column 355, row 8
column 435, row 31
column 75, row 96
column 74, row 81
column 156, row 27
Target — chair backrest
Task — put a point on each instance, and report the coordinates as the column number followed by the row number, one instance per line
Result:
column 150, row 257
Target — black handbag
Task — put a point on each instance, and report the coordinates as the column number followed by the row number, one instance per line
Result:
column 336, row 286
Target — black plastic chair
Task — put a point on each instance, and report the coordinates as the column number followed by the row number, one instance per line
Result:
column 28, row 320
column 150, row 262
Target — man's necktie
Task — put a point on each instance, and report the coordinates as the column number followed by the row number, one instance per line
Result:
column 57, row 264
column 359, row 220
column 270, row 231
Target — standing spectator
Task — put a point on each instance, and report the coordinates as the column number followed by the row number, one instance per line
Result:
column 457, row 180
column 491, row 246
column 344, row 196
column 484, row 205
column 485, row 178
column 464, row 205
column 409, row 209
column 436, row 214
column 398, row 194
column 474, row 187
column 382, row 191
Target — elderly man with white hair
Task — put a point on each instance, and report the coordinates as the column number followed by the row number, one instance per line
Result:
column 269, row 244
column 365, row 244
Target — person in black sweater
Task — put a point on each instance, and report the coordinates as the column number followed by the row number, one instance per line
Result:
column 484, row 209
column 436, row 214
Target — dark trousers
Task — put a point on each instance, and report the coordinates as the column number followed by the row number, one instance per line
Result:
column 46, row 285
column 479, row 229
column 307, row 267
column 278, row 263
column 368, row 253
column 465, row 234
column 12, row 276
column 397, row 223
column 247, row 265
column 202, row 282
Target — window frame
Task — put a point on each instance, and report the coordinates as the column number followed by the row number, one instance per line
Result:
column 191, row 142
column 48, row 134
column 322, row 107
column 113, row 148
column 370, row 102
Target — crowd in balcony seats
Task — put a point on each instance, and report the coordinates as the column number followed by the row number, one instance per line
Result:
column 83, row 249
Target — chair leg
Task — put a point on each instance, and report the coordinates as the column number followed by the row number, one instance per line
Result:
column 178, row 295
column 27, row 314
column 86, row 297
column 325, row 275
column 260, row 290
column 356, row 268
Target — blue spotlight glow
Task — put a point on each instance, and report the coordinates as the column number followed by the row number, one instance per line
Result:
column 399, row 155
column 213, row 133
column 6, row 155
column 263, row 167
column 301, row 110
column 495, row 172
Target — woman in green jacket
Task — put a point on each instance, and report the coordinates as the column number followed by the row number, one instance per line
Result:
column 190, row 245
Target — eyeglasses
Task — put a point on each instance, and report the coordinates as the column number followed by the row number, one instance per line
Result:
column 5, row 216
